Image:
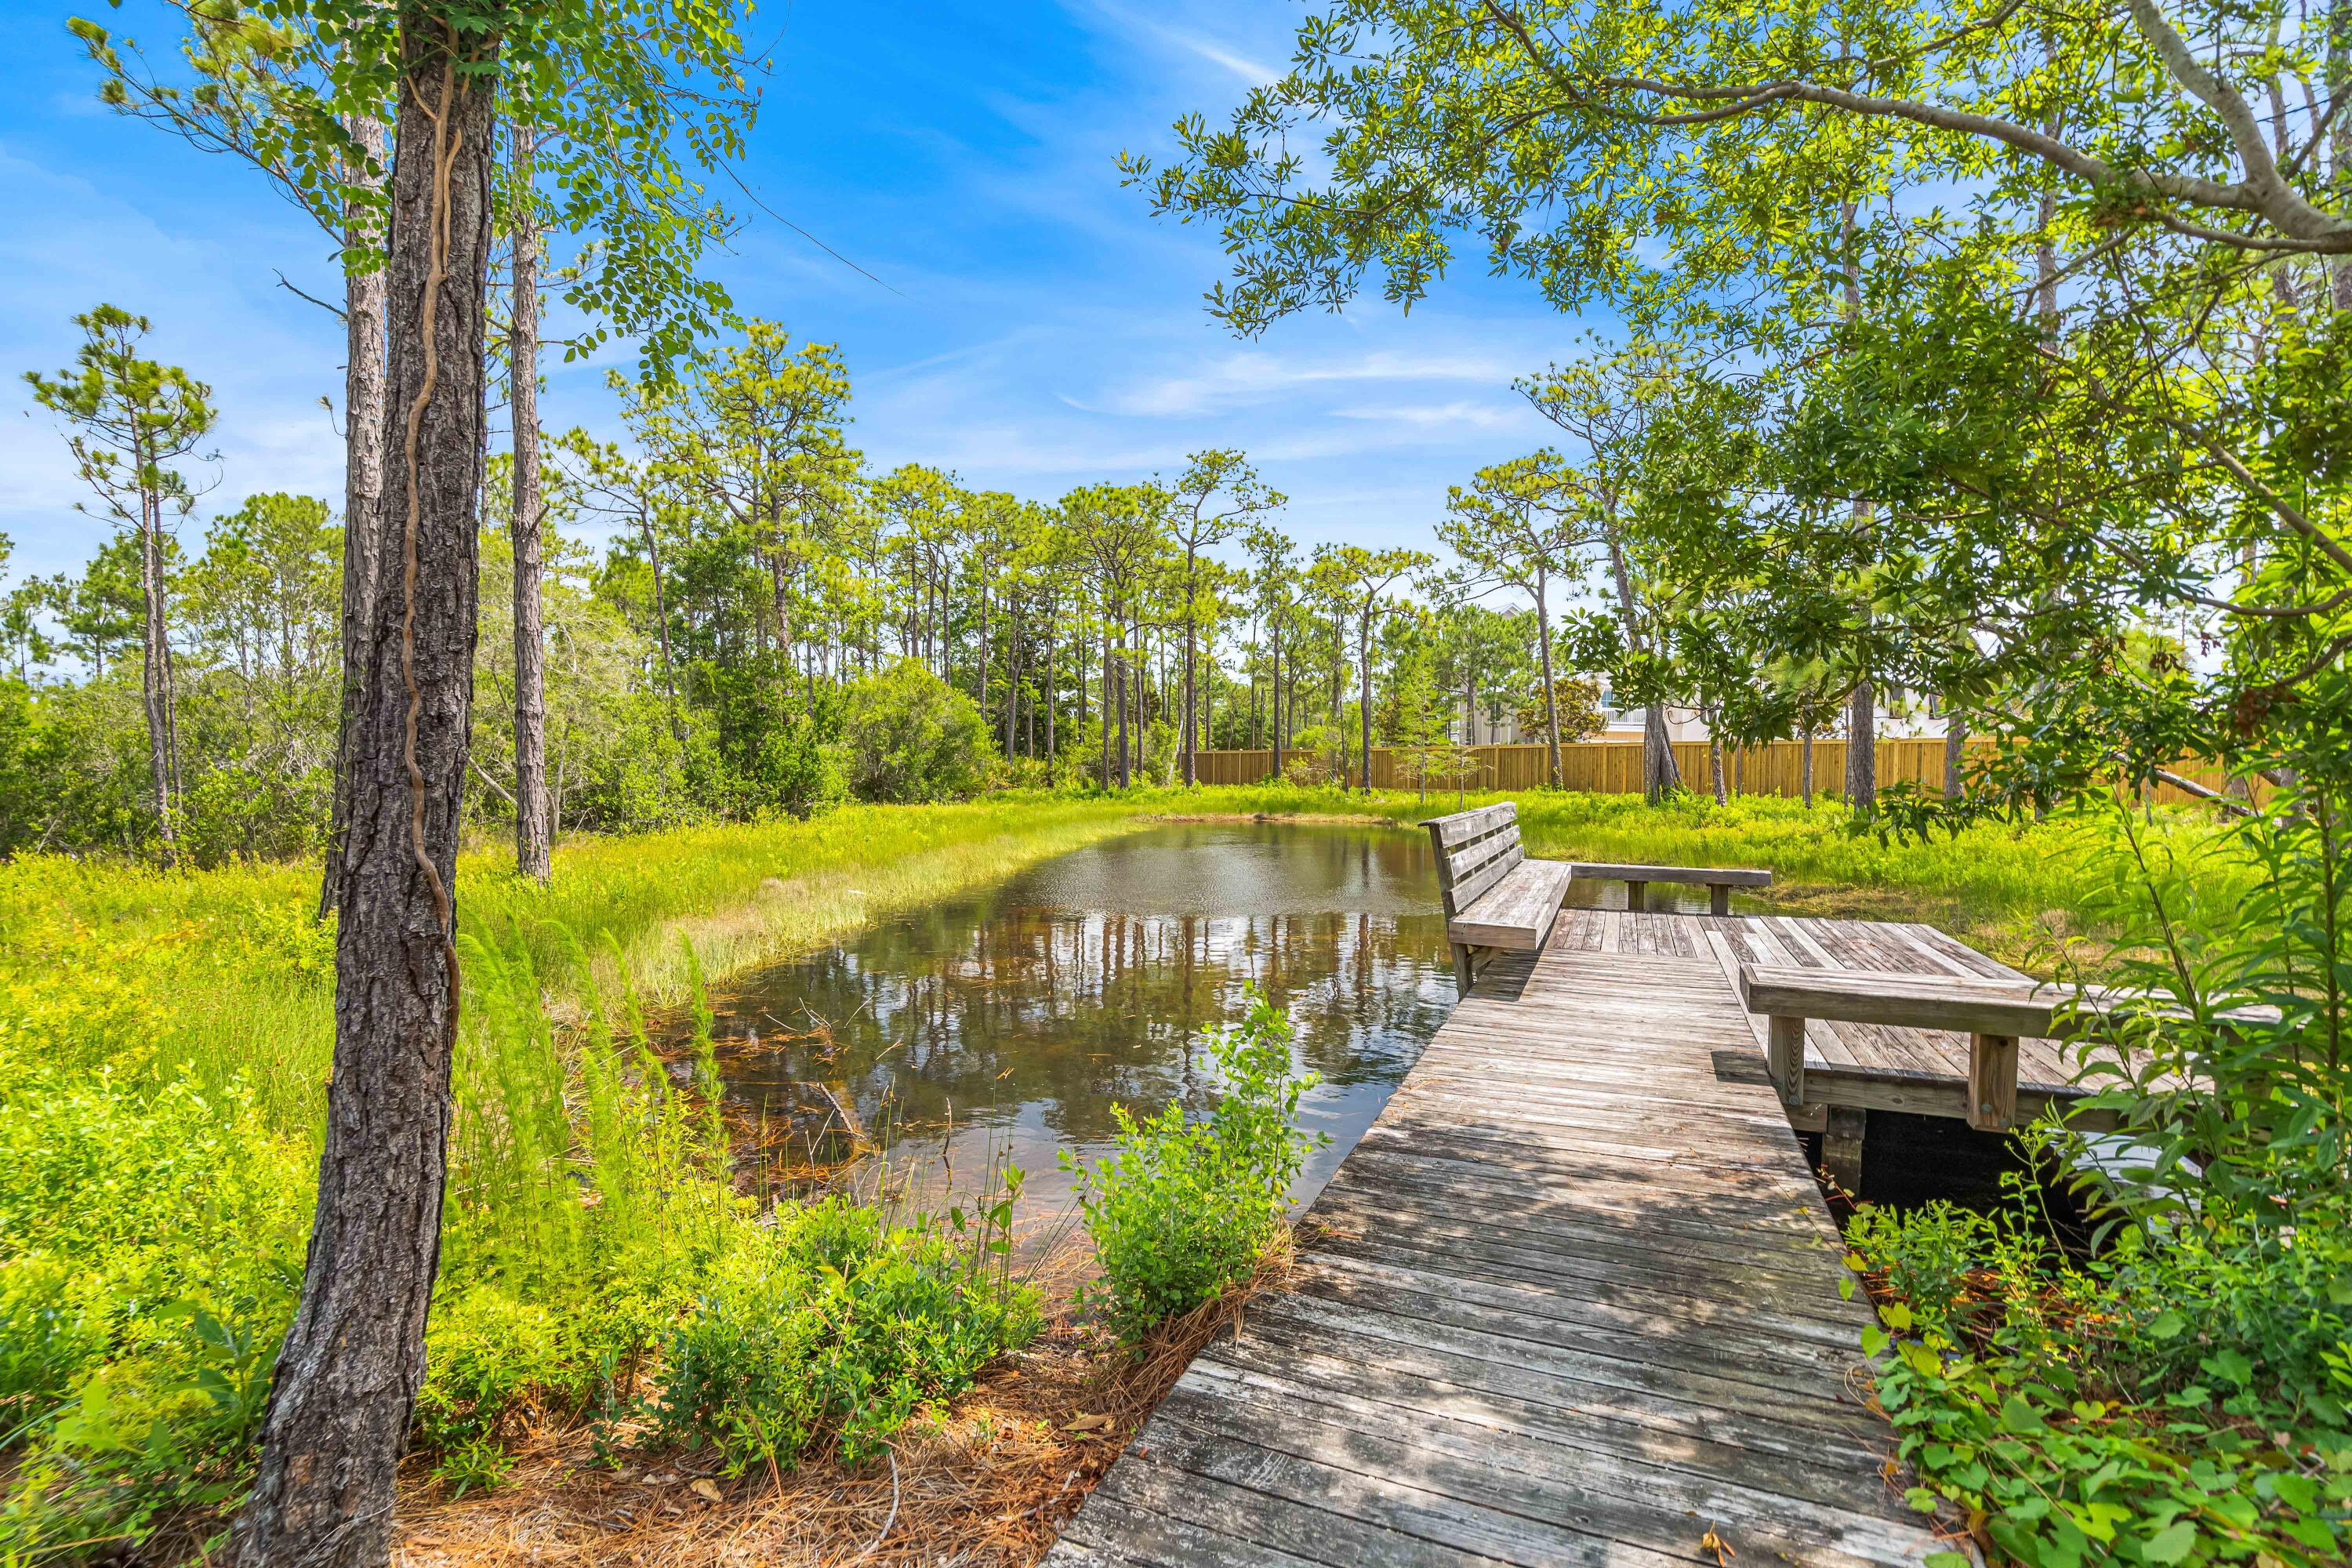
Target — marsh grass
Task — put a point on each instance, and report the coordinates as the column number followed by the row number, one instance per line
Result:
column 164, row 1045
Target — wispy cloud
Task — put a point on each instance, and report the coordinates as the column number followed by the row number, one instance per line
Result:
column 1254, row 378
column 1225, row 56
column 1461, row 412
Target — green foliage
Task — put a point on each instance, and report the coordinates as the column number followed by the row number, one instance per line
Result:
column 164, row 1042
column 2177, row 1401
column 2184, row 1395
column 1576, row 702
column 1189, row 1203
column 911, row 737
column 834, row 1328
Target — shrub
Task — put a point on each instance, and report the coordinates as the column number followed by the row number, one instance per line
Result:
column 1187, row 1205
column 2185, row 1395
column 912, row 737
column 837, row 1329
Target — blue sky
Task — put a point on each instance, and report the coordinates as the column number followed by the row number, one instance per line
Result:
column 1039, row 329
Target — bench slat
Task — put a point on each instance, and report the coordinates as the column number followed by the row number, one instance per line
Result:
column 1468, row 888
column 1463, row 825
column 1711, row 876
column 1518, row 912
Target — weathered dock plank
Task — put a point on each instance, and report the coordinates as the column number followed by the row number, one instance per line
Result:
column 1573, row 1300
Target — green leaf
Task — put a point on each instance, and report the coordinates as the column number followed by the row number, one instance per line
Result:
column 2020, row 1416
column 2171, row 1543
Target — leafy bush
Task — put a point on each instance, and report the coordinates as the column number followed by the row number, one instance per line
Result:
column 837, row 1328
column 911, row 737
column 1187, row 1205
column 2175, row 1402
column 2185, row 1395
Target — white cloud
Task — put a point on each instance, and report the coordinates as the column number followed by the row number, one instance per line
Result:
column 1461, row 411
column 1226, row 57
column 1254, row 378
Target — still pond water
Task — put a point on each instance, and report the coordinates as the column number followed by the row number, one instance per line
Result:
column 1004, row 1025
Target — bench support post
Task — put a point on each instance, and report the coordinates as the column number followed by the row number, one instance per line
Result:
column 1719, row 899
column 1784, row 1059
column 1841, row 1147
column 1992, row 1082
column 1463, row 973
column 1637, row 895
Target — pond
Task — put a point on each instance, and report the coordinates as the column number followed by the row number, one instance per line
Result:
column 1004, row 1025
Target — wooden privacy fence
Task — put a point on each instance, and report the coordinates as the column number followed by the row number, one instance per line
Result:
column 1614, row 767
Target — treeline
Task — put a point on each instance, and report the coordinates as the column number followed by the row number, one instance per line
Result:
column 734, row 647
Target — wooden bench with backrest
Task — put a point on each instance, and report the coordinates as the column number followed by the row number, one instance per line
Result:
column 1495, row 898
column 1994, row 1014
column 1498, row 901
column 1718, row 880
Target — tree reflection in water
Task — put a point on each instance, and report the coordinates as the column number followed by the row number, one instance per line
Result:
column 1006, row 1024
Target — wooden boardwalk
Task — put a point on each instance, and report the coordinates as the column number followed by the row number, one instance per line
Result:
column 1573, row 1300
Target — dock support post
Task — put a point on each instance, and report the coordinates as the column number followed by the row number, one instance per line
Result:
column 1841, row 1147
column 1463, row 973
column 1719, row 899
column 1784, row 1059
column 1992, row 1082
column 1637, row 895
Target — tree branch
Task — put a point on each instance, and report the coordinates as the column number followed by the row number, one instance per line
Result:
column 2268, row 198
column 334, row 310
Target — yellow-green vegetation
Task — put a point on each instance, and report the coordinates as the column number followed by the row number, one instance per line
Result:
column 165, row 1043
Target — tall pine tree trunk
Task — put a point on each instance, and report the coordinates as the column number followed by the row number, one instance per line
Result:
column 350, row 1365
column 1861, row 713
column 533, row 832
column 1192, row 731
column 155, row 671
column 364, row 438
column 1551, row 695
column 1862, row 746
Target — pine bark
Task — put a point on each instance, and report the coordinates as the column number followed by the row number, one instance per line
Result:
column 1551, row 692
column 534, row 829
column 155, row 666
column 1862, row 713
column 363, row 438
column 352, row 1363
column 1192, row 730
column 1862, row 745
